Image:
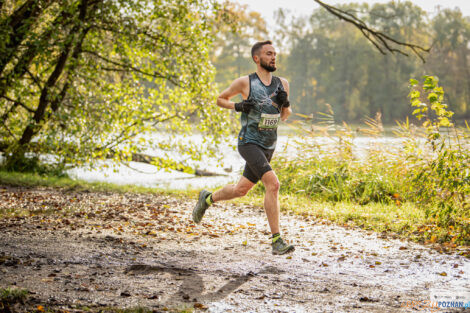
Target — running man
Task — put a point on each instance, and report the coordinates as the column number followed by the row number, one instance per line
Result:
column 265, row 102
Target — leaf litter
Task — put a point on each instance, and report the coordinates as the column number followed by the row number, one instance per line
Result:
column 98, row 250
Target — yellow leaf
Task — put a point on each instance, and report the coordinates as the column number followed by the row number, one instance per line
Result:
column 433, row 238
column 443, row 274
column 200, row 306
column 40, row 308
column 244, row 243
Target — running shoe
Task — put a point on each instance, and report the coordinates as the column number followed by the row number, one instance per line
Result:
column 280, row 247
column 201, row 206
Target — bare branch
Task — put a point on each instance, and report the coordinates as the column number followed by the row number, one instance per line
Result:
column 379, row 39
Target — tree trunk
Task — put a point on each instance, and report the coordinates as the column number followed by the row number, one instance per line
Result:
column 45, row 98
column 25, row 59
column 18, row 25
column 144, row 158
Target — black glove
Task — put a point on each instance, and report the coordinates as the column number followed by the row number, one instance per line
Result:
column 281, row 99
column 244, row 106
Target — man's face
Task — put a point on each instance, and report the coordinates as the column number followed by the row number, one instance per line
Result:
column 267, row 58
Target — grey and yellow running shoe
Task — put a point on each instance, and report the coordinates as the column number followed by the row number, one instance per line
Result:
column 280, row 247
column 201, row 206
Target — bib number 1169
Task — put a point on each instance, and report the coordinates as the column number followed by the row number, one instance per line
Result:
column 269, row 121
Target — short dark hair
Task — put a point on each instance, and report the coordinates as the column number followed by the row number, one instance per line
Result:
column 257, row 47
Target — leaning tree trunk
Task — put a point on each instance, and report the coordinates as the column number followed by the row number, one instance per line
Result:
column 18, row 25
column 47, row 98
column 26, row 57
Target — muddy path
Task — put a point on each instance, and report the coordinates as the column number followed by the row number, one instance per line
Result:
column 73, row 250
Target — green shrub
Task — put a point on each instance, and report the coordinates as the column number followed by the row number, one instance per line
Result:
column 431, row 170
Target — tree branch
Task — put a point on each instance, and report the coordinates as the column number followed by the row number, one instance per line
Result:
column 17, row 102
column 34, row 78
column 5, row 115
column 138, row 32
column 379, row 39
column 128, row 67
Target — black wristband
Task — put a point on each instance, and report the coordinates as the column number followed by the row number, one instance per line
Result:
column 238, row 106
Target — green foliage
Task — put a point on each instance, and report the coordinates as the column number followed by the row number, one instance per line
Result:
column 328, row 61
column 431, row 170
column 440, row 177
column 335, row 180
column 11, row 296
column 98, row 79
column 232, row 48
column 32, row 164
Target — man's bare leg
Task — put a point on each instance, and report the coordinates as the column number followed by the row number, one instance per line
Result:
column 271, row 200
column 271, row 206
column 233, row 191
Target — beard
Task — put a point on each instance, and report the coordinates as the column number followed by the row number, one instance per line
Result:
column 267, row 67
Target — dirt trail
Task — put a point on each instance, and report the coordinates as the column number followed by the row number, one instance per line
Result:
column 99, row 250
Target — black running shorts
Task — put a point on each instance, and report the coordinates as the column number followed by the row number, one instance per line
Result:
column 257, row 161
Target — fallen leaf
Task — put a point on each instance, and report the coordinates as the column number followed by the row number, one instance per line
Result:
column 200, row 306
column 443, row 274
column 378, row 263
column 40, row 308
column 47, row 280
column 289, row 257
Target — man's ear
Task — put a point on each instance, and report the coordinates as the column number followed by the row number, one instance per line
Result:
column 256, row 58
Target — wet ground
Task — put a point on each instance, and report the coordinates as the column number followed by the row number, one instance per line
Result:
column 99, row 250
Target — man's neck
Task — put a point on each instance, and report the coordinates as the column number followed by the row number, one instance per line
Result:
column 264, row 75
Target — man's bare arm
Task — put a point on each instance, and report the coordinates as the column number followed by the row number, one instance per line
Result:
column 286, row 112
column 238, row 86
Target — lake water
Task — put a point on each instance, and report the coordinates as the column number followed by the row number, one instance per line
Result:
column 150, row 176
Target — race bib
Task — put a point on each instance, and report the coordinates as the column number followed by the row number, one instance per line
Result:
column 269, row 121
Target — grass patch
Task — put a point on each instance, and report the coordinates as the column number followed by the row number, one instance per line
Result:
column 35, row 180
column 404, row 221
column 9, row 297
column 13, row 295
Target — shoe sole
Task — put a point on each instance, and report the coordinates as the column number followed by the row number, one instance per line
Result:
column 291, row 249
column 201, row 198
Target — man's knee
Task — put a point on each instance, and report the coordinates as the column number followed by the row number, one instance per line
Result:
column 241, row 191
column 273, row 184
